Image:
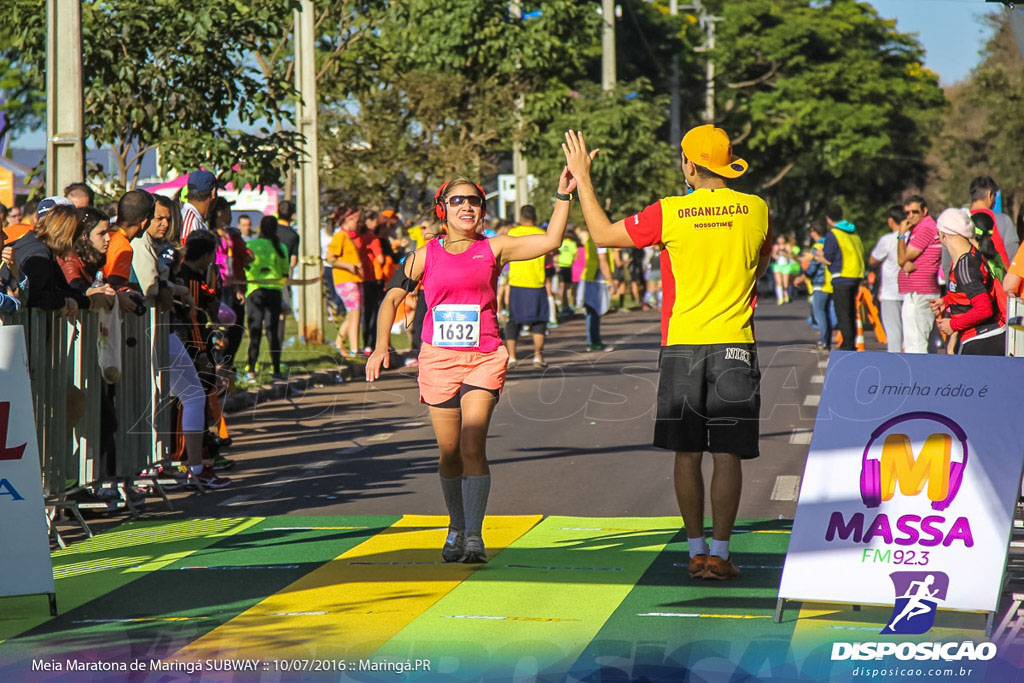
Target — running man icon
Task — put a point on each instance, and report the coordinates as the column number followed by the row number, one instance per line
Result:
column 917, row 597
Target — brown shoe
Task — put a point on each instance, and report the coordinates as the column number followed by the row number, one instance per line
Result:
column 720, row 570
column 697, row 565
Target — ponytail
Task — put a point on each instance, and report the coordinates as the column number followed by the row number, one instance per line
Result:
column 268, row 231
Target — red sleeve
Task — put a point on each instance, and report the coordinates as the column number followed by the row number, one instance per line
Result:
column 644, row 228
column 981, row 310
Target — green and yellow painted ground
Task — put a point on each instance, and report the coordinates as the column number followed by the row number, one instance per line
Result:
column 562, row 598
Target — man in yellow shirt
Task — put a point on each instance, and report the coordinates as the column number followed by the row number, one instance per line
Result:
column 715, row 243
column 528, row 298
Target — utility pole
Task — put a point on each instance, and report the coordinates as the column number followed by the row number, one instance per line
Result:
column 676, row 133
column 709, row 87
column 608, row 76
column 65, row 118
column 311, row 305
column 707, row 23
column 519, row 167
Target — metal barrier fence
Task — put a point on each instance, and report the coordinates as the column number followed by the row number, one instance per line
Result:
column 64, row 370
column 1014, row 330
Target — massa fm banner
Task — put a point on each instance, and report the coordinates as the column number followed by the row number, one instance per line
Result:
column 25, row 565
column 910, row 484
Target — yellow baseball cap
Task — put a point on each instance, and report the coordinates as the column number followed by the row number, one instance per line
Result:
column 709, row 147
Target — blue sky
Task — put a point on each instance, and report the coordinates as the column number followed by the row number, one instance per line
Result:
column 952, row 32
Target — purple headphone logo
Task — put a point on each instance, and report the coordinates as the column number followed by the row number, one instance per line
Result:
column 871, row 472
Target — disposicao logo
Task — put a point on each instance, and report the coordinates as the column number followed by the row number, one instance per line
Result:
column 917, row 598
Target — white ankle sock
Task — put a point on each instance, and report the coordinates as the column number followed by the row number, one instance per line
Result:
column 698, row 546
column 720, row 548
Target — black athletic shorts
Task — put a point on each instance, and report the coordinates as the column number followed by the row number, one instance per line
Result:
column 527, row 306
column 456, row 400
column 709, row 399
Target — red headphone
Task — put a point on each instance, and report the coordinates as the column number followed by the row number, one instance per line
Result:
column 441, row 211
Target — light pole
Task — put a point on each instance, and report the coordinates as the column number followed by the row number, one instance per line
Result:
column 311, row 309
column 65, row 123
column 608, row 76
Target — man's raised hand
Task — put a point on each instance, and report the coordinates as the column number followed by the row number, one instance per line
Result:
column 576, row 156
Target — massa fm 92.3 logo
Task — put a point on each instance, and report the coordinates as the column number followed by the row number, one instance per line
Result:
column 890, row 463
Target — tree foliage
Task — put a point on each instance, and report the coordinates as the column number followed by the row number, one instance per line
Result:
column 982, row 132
column 827, row 101
column 21, row 99
column 175, row 74
column 636, row 165
column 431, row 92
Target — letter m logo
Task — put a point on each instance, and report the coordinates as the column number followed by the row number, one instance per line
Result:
column 898, row 464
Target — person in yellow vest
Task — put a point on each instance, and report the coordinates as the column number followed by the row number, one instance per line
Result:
column 716, row 243
column 843, row 253
column 527, row 295
column 819, row 279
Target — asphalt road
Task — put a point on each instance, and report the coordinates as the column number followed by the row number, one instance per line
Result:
column 573, row 439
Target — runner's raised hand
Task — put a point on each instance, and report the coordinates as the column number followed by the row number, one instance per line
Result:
column 577, row 158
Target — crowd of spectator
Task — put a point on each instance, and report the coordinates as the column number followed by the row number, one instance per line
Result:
column 941, row 281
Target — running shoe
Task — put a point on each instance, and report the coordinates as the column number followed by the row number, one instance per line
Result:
column 599, row 347
column 170, row 478
column 511, row 365
column 539, row 363
column 249, row 377
column 210, row 480
column 367, row 351
column 552, row 326
column 412, row 362
column 720, row 570
column 279, row 377
column 524, row 332
column 697, row 566
column 221, row 463
column 454, row 547
column 474, row 553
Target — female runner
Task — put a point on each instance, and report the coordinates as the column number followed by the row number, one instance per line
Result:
column 462, row 360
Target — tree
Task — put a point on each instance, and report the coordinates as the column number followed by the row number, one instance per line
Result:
column 338, row 25
column 982, row 132
column 22, row 104
column 430, row 93
column 635, row 166
column 174, row 75
column 388, row 145
column 827, row 101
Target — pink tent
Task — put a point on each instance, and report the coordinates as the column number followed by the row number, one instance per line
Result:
column 246, row 199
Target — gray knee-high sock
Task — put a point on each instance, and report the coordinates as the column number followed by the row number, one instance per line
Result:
column 474, row 495
column 452, row 489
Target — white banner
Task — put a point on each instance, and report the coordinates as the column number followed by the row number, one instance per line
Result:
column 25, row 561
column 911, row 481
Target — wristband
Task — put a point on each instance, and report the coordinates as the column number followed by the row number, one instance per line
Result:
column 563, row 197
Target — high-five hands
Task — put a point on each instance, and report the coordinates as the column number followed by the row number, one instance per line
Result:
column 577, row 158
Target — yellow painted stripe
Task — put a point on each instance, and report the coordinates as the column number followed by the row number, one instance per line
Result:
column 355, row 603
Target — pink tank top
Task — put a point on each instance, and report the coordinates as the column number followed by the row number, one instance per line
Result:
column 463, row 282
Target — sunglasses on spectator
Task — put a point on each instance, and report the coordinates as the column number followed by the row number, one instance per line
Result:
column 458, row 199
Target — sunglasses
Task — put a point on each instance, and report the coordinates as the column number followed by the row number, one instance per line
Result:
column 474, row 200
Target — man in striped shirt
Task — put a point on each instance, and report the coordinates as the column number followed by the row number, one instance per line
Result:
column 202, row 190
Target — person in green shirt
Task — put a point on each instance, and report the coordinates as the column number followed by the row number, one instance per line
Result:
column 565, row 259
column 267, row 275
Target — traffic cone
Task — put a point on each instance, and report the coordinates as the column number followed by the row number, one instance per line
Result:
column 860, row 333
